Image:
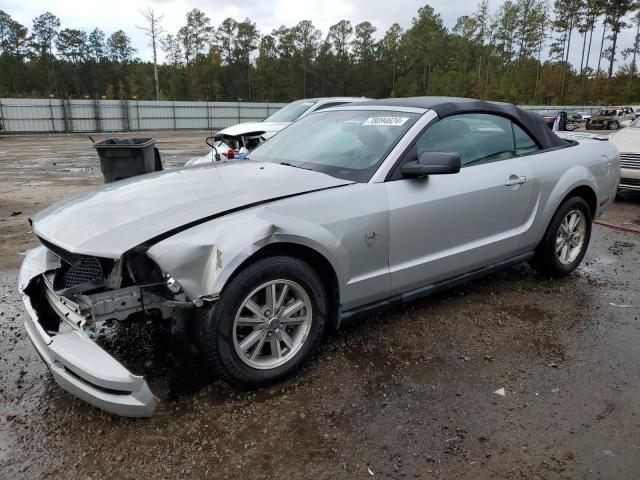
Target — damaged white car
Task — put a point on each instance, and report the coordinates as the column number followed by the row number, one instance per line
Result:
column 388, row 201
column 238, row 140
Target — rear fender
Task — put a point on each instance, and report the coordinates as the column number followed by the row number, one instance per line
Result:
column 576, row 176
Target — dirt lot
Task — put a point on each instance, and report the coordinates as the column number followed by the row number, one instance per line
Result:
column 408, row 393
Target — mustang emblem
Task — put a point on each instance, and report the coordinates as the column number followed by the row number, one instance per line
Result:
column 370, row 238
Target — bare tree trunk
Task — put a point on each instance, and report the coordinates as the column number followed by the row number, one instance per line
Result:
column 153, row 30
column 633, row 61
column 565, row 57
column 604, row 32
column 535, row 88
column 613, row 54
column 186, row 68
column 589, row 48
column 155, row 70
column 197, row 89
column 584, row 47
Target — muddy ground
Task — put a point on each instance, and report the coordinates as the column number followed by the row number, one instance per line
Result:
column 408, row 393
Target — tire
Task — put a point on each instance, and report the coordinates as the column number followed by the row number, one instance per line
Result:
column 570, row 127
column 548, row 259
column 222, row 338
column 614, row 125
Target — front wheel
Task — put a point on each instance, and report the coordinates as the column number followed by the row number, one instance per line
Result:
column 614, row 125
column 566, row 239
column 270, row 319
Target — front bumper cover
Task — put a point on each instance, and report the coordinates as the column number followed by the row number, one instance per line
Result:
column 77, row 364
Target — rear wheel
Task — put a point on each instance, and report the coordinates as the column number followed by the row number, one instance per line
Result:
column 566, row 240
column 614, row 125
column 270, row 319
column 570, row 127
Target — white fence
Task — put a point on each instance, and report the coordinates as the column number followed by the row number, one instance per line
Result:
column 19, row 115
column 590, row 109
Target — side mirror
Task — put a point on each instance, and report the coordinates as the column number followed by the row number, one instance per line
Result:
column 432, row 163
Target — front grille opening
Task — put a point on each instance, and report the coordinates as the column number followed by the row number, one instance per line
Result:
column 78, row 273
column 86, row 274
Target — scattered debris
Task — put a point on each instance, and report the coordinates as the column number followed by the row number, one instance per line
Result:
column 619, row 305
column 16, row 213
column 370, row 472
column 555, row 390
column 552, row 364
column 501, row 392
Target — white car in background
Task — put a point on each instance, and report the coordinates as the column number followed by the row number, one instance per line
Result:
column 244, row 137
column 627, row 141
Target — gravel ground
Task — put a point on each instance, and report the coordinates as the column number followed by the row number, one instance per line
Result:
column 408, row 393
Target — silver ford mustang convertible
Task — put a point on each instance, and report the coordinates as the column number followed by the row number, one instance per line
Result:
column 345, row 211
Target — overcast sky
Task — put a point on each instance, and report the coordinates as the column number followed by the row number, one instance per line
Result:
column 111, row 15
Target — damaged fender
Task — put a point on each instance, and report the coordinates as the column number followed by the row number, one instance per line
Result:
column 203, row 258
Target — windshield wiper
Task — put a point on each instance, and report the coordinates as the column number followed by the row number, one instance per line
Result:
column 287, row 164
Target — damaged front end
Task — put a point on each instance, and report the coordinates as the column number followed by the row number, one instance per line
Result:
column 67, row 296
column 237, row 141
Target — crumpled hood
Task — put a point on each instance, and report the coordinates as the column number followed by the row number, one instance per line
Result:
column 121, row 215
column 254, row 127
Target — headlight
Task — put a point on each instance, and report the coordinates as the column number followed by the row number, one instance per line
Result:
column 173, row 285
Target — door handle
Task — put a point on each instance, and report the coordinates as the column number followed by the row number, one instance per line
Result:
column 514, row 180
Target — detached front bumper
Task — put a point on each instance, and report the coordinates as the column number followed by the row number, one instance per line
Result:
column 77, row 364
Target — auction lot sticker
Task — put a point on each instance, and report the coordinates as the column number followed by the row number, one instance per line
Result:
column 386, row 121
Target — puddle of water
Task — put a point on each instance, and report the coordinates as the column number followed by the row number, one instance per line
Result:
column 529, row 313
column 416, row 365
column 596, row 264
column 426, row 372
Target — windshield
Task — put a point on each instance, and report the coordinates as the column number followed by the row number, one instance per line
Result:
column 291, row 112
column 606, row 113
column 348, row 144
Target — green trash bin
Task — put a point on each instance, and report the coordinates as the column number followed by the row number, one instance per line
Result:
column 122, row 157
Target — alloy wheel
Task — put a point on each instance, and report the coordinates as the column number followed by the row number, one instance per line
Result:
column 272, row 324
column 570, row 237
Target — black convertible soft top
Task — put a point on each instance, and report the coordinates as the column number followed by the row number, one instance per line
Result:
column 445, row 106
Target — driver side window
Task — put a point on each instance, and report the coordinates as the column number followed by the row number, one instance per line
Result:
column 476, row 137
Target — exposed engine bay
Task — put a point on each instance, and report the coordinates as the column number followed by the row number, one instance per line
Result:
column 86, row 291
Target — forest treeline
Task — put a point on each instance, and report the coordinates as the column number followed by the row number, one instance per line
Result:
column 523, row 53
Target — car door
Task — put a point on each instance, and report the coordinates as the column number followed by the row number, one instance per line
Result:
column 446, row 225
